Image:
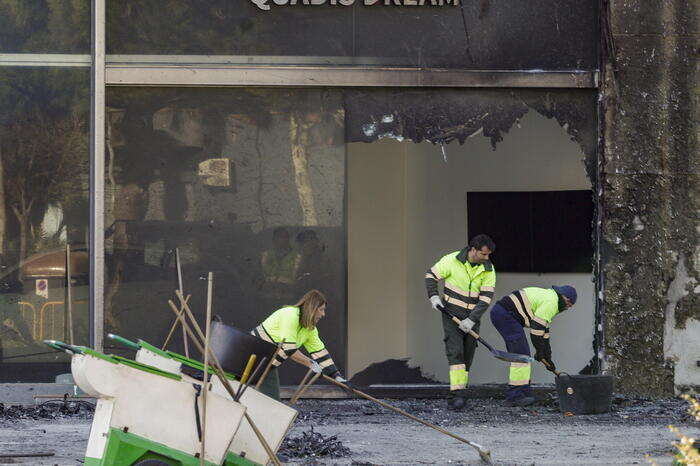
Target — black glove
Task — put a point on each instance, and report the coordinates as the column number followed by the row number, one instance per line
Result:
column 549, row 364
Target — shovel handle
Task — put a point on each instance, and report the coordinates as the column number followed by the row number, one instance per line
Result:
column 470, row 332
column 550, row 368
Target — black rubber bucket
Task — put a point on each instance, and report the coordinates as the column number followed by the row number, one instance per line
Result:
column 233, row 348
column 584, row 394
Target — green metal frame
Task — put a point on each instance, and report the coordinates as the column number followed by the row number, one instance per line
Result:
column 125, row 449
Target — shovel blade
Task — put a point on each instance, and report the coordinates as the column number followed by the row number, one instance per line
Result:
column 512, row 357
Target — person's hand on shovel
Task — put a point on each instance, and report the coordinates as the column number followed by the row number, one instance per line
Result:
column 338, row 376
column 550, row 366
column 436, row 302
column 466, row 324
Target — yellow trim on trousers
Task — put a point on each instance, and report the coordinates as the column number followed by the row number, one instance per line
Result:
column 519, row 373
column 459, row 377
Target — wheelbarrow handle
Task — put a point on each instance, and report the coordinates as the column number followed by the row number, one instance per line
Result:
column 126, row 342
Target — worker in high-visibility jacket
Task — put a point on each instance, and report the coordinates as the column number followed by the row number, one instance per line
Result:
column 295, row 326
column 470, row 280
column 529, row 308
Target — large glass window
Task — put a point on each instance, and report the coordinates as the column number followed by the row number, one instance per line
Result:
column 494, row 34
column 44, row 121
column 45, row 26
column 248, row 184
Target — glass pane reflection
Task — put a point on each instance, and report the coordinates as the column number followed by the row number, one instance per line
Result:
column 44, row 185
column 45, row 26
column 246, row 183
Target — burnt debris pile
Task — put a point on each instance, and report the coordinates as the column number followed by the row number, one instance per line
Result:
column 313, row 444
column 51, row 409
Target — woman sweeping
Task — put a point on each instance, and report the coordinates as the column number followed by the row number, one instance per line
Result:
column 296, row 326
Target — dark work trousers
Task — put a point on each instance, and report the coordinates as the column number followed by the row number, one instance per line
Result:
column 516, row 342
column 459, row 347
column 271, row 384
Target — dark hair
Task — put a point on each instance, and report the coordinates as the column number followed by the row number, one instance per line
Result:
column 479, row 241
column 306, row 235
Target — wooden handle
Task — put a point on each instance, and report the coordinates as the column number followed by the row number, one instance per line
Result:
column 303, row 389
column 173, row 327
column 485, row 454
column 470, row 332
column 218, row 370
column 295, row 397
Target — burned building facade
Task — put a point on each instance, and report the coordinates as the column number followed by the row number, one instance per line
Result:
column 287, row 146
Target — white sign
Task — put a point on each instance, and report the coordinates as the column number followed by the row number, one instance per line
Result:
column 42, row 288
column 265, row 4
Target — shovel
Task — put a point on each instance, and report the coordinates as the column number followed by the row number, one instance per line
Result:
column 502, row 355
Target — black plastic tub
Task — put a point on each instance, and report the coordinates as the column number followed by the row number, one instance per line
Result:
column 584, row 394
column 233, row 347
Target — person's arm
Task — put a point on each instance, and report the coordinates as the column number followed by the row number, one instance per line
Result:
column 539, row 330
column 320, row 354
column 437, row 272
column 302, row 359
column 486, row 291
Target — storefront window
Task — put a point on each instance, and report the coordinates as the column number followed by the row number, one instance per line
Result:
column 248, row 184
column 495, row 34
column 44, row 212
column 45, row 26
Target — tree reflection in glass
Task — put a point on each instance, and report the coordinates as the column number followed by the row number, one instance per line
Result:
column 44, row 187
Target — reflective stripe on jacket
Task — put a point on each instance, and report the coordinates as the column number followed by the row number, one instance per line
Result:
column 468, row 288
column 534, row 308
column 285, row 325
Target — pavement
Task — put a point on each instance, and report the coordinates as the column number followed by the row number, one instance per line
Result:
column 371, row 435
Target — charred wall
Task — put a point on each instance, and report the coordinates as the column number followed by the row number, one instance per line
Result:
column 650, row 199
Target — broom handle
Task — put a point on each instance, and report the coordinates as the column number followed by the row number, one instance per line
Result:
column 403, row 413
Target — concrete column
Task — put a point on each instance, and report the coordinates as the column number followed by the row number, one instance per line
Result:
column 650, row 248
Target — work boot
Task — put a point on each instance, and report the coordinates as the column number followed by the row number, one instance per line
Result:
column 521, row 402
column 456, row 403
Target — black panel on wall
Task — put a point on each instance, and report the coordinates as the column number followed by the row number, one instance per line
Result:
column 535, row 232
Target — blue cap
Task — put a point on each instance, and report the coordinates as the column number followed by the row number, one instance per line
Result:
column 568, row 291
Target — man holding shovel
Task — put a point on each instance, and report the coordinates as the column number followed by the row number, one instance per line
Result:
column 470, row 280
column 531, row 308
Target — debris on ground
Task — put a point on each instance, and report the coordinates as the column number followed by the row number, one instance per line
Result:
column 313, row 444
column 375, row 436
column 481, row 411
column 51, row 409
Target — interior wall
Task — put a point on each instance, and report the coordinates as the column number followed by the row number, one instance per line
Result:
column 376, row 255
column 410, row 187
